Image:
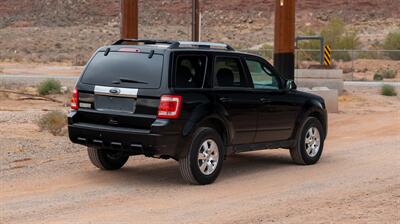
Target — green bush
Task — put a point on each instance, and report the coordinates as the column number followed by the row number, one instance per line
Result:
column 388, row 90
column 49, row 86
column 54, row 122
column 337, row 36
column 386, row 73
column 378, row 77
column 392, row 42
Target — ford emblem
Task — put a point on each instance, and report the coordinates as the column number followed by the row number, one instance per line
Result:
column 115, row 91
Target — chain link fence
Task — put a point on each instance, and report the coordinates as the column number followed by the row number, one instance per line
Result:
column 357, row 65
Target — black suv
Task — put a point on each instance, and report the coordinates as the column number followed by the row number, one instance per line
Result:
column 194, row 102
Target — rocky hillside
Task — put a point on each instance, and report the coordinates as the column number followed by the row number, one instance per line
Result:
column 69, row 30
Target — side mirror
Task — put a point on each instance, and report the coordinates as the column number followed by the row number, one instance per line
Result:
column 290, row 84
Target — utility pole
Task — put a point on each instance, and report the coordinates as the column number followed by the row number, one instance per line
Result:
column 195, row 20
column 129, row 19
column 285, row 24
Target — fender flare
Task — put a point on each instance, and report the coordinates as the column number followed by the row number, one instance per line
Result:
column 205, row 113
column 310, row 107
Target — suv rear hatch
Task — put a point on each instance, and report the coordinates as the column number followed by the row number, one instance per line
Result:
column 123, row 89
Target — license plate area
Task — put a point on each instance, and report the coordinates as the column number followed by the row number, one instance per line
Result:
column 112, row 103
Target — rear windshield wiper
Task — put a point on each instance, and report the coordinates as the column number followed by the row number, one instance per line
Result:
column 132, row 81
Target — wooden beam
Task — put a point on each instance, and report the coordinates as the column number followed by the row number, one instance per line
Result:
column 284, row 46
column 195, row 20
column 129, row 19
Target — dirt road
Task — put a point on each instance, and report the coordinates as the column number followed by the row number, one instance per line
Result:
column 45, row 179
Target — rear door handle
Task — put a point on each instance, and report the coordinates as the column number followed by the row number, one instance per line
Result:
column 265, row 100
column 225, row 99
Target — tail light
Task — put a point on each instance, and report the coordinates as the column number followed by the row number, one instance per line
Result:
column 74, row 100
column 170, row 107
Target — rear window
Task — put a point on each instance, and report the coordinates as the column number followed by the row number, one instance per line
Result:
column 124, row 69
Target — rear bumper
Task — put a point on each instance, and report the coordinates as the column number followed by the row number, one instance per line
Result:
column 152, row 142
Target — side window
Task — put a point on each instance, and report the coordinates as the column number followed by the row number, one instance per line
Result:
column 190, row 71
column 262, row 76
column 228, row 72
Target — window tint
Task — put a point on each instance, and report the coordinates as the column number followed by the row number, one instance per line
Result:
column 190, row 71
column 262, row 77
column 228, row 72
column 124, row 69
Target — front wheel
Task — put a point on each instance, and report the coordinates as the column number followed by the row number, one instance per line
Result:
column 203, row 160
column 309, row 142
column 107, row 159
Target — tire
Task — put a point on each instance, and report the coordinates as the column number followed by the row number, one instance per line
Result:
column 203, row 160
column 308, row 153
column 106, row 159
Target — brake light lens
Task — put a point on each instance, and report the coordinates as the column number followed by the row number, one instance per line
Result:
column 170, row 107
column 74, row 100
column 128, row 49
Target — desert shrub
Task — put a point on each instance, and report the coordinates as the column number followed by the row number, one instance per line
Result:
column 392, row 42
column 336, row 35
column 341, row 56
column 369, row 55
column 49, row 86
column 312, row 45
column 349, row 40
column 364, row 70
column 54, row 122
column 388, row 90
column 333, row 30
column 386, row 73
column 312, row 55
column 378, row 77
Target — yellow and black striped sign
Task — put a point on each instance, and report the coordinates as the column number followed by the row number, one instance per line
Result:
column 327, row 55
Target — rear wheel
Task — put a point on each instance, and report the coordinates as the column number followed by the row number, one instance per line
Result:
column 309, row 142
column 107, row 159
column 203, row 160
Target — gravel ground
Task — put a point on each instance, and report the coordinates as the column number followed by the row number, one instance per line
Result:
column 46, row 179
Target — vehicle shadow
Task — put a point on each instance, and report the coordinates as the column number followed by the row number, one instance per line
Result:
column 162, row 173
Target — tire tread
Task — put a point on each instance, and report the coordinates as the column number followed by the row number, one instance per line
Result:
column 185, row 165
column 295, row 151
column 99, row 159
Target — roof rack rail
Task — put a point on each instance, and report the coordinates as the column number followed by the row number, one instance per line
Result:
column 207, row 45
column 144, row 41
column 177, row 44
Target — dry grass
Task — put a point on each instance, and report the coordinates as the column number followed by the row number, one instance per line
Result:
column 54, row 122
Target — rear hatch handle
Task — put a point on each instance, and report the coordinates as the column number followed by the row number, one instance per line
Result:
column 116, row 91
